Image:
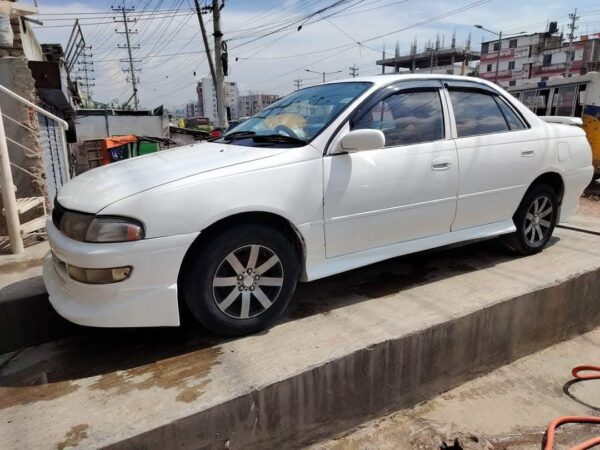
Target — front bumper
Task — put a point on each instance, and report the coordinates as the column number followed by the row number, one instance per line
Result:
column 147, row 298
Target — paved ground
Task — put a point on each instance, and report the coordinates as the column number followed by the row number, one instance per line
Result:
column 506, row 409
column 153, row 377
column 589, row 204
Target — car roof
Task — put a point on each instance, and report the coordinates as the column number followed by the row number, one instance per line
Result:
column 386, row 79
column 382, row 80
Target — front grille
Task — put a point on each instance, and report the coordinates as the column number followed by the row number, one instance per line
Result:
column 57, row 214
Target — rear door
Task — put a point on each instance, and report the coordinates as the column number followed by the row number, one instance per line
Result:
column 498, row 155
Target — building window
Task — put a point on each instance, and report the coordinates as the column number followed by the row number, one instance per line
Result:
column 485, row 47
column 496, row 46
column 547, row 60
column 489, row 68
column 512, row 43
column 511, row 65
column 512, row 83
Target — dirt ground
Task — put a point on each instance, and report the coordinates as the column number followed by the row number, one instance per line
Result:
column 589, row 205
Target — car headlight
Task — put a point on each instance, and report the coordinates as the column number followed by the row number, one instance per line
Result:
column 114, row 229
column 87, row 228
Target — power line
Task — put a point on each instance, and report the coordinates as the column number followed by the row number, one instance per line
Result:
column 77, row 15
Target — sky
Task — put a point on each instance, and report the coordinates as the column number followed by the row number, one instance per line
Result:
column 172, row 59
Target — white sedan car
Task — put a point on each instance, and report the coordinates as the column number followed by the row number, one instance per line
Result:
column 327, row 179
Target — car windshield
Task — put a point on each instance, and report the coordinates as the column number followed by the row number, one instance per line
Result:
column 297, row 118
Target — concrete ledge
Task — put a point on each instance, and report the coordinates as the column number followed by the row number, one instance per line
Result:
column 365, row 343
column 27, row 318
column 387, row 376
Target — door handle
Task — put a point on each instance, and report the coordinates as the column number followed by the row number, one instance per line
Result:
column 441, row 164
column 527, row 152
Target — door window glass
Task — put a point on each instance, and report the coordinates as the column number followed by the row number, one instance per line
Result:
column 514, row 122
column 406, row 118
column 476, row 113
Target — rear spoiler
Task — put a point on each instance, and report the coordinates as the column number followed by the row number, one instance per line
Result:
column 565, row 120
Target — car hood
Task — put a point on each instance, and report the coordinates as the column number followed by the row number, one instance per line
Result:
column 94, row 190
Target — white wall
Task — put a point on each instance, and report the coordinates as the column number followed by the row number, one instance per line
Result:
column 95, row 127
column 31, row 46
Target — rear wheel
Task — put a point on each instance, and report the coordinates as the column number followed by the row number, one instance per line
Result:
column 242, row 280
column 535, row 220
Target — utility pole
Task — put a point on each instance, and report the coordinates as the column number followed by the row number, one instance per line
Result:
column 298, row 83
column 353, row 71
column 220, row 81
column 211, row 64
column 86, row 70
column 498, row 56
column 570, row 53
column 132, row 70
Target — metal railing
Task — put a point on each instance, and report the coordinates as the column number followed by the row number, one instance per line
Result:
column 9, row 197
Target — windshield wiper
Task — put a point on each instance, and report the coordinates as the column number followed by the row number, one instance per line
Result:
column 238, row 135
column 278, row 138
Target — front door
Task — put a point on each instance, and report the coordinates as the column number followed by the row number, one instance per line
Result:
column 406, row 190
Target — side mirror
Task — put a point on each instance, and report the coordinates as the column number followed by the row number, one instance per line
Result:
column 360, row 140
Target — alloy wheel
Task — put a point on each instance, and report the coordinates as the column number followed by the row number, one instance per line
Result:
column 538, row 220
column 247, row 281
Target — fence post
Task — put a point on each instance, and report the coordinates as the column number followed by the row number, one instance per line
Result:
column 65, row 153
column 8, row 194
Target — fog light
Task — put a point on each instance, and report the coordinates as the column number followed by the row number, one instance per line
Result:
column 99, row 276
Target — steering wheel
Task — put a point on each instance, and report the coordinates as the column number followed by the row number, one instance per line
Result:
column 286, row 130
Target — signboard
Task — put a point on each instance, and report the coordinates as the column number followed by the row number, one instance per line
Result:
column 522, row 52
column 520, row 74
column 507, row 53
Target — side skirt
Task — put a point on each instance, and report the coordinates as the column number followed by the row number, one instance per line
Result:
column 332, row 266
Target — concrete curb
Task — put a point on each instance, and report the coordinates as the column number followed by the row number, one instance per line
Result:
column 30, row 320
column 387, row 376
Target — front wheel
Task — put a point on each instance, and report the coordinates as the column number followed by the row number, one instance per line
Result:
column 242, row 280
column 535, row 220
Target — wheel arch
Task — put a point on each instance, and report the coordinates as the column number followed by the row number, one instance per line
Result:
column 250, row 217
column 552, row 179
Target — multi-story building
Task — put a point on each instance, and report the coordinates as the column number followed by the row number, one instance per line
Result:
column 207, row 100
column 192, row 109
column 434, row 58
column 252, row 103
column 537, row 57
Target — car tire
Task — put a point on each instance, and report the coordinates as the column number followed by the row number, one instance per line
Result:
column 535, row 220
column 242, row 280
